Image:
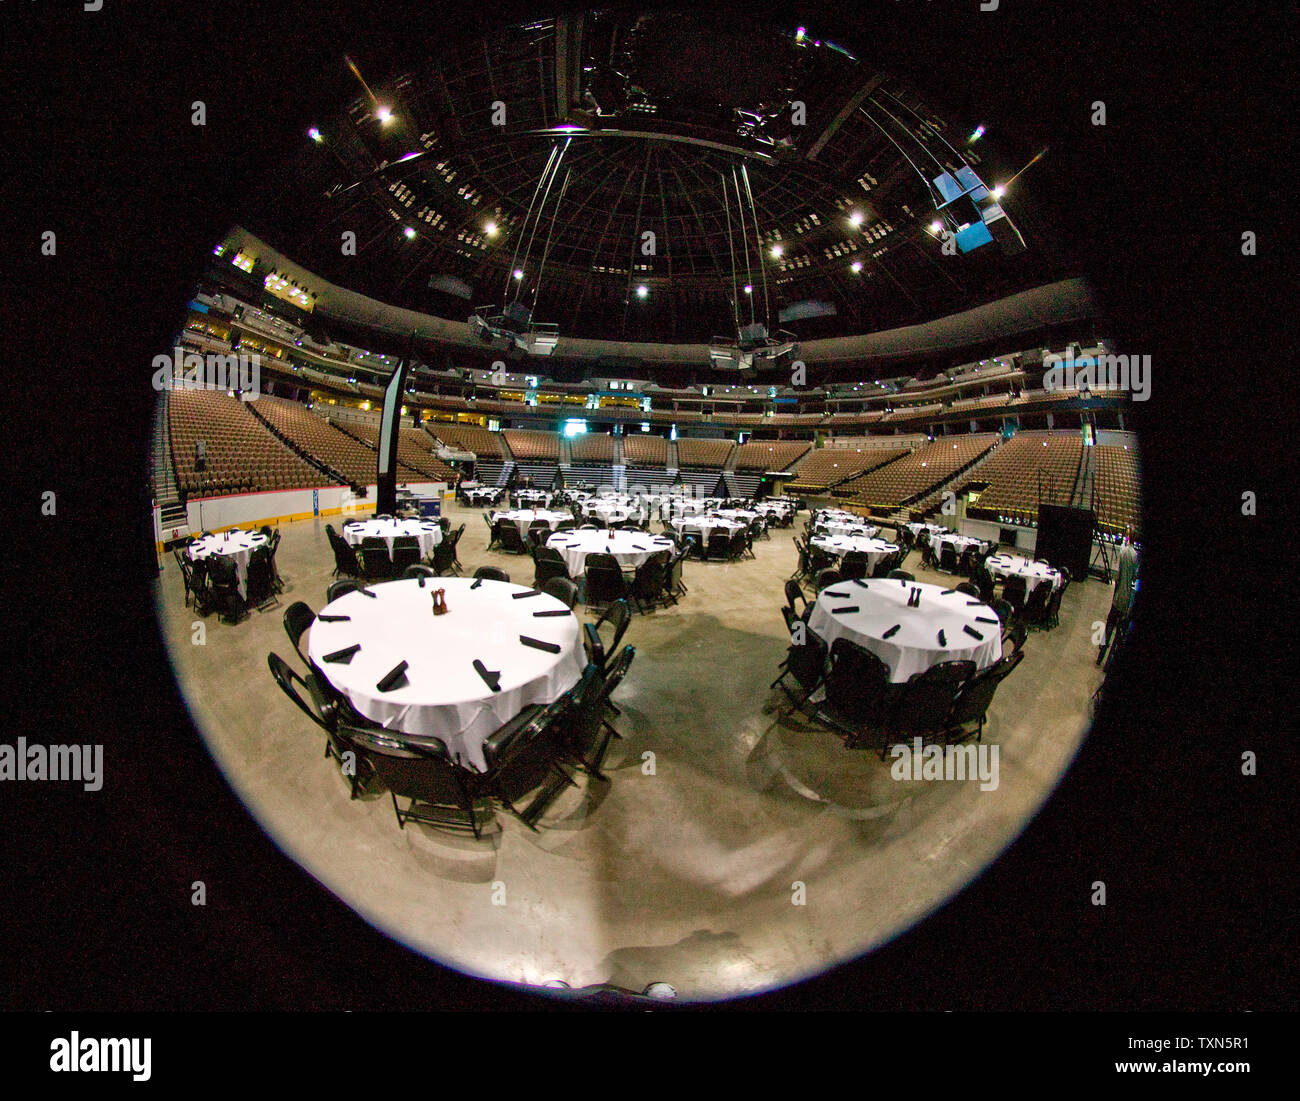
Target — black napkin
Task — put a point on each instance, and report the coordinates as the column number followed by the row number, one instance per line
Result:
column 972, row 632
column 477, row 582
column 985, row 619
column 492, row 680
column 538, row 644
column 363, row 589
column 942, row 641
column 892, row 631
column 556, row 612
column 947, row 591
column 836, row 596
column 342, row 657
column 525, row 595
column 394, row 678
column 973, row 603
column 334, row 618
column 422, row 579
column 845, row 610
column 859, row 581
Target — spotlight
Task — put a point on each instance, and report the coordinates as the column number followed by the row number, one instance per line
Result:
column 490, row 229
column 642, row 291
column 855, row 267
column 799, row 33
column 749, row 289
column 936, row 226
column 519, row 273
column 776, row 251
column 999, row 191
column 979, row 133
column 409, row 232
column 856, row 218
column 384, row 115
column 314, row 134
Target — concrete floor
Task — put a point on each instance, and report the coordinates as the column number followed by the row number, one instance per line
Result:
column 683, row 872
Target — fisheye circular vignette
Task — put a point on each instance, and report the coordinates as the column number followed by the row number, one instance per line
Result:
column 658, row 529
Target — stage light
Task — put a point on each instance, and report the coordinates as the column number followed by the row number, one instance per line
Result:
column 519, row 273
column 856, row 218
column 642, row 291
column 936, row 226
column 384, row 115
column 799, row 33
column 855, row 267
column 314, row 134
column 999, row 191
column 409, row 232
column 490, row 229
column 776, row 251
column 749, row 289
column 979, row 133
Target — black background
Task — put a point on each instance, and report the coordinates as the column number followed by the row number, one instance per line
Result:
column 95, row 911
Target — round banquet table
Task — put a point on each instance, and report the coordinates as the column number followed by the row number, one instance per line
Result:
column 523, row 517
column 934, row 529
column 743, row 515
column 959, row 543
column 1034, row 573
column 844, row 527
column 915, row 646
column 428, row 532
column 443, row 695
column 484, row 495
column 629, row 548
column 235, row 544
column 608, row 512
column 532, row 497
column 840, row 545
column 705, row 524
column 838, row 516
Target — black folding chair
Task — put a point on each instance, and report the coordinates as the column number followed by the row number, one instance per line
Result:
column 972, row 702
column 562, row 588
column 925, row 702
column 858, row 692
column 618, row 615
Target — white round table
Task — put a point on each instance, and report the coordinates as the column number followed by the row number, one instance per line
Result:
column 882, row 603
column 706, row 524
column 629, row 548
column 532, row 497
column 934, row 529
column 484, row 495
column 844, row 527
column 235, row 544
column 523, row 518
column 959, row 543
column 443, row 695
column 1034, row 573
column 744, row 515
column 840, row 545
column 608, row 512
column 428, row 532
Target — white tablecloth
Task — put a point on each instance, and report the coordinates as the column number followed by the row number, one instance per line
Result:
column 523, row 517
column 840, row 545
column 532, row 497
column 744, row 515
column 1034, row 573
column 483, row 495
column 236, row 544
column 933, row 529
column 608, row 512
column 959, row 543
column 838, row 516
column 445, row 697
column 629, row 548
column 915, row 646
column 705, row 524
column 843, row 527
column 428, row 532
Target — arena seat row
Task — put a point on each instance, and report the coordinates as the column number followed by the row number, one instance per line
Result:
column 322, row 441
column 705, row 454
column 891, row 485
column 828, row 465
column 1029, row 467
column 771, row 455
column 468, row 437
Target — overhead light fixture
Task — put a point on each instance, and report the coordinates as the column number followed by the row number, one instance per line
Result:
column 642, row 291
column 936, row 226
column 799, row 33
column 384, row 115
column 856, row 218
column 490, row 229
column 409, row 232
column 776, row 251
column 979, row 133
column 856, row 266
column 315, row 134
column 749, row 289
column 999, row 191
column 519, row 273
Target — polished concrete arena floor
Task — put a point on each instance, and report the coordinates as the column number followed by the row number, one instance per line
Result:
column 686, row 866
